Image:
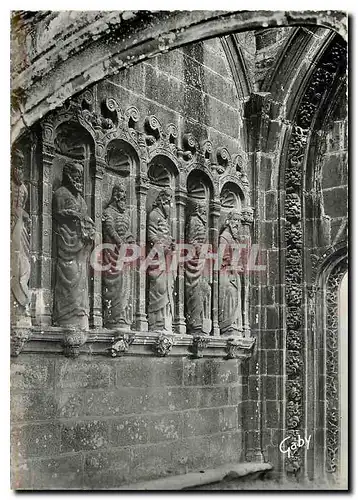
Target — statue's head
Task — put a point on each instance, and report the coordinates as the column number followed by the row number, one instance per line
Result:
column 17, row 161
column 164, row 201
column 247, row 215
column 233, row 220
column 119, row 197
column 73, row 176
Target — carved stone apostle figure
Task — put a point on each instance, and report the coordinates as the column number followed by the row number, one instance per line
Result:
column 74, row 231
column 116, row 280
column 160, row 275
column 20, row 246
column 197, row 288
column 245, row 238
column 230, row 302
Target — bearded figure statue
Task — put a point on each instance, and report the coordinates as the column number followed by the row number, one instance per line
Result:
column 20, row 246
column 160, row 275
column 75, row 232
column 230, row 306
column 197, row 276
column 116, row 279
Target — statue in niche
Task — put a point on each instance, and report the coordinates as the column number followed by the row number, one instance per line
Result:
column 197, row 287
column 230, row 305
column 116, row 280
column 74, row 236
column 160, row 275
column 246, row 222
column 20, row 245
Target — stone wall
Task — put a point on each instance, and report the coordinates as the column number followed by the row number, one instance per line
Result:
column 100, row 423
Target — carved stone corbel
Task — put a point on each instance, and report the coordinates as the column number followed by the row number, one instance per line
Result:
column 232, row 347
column 121, row 345
column 163, row 345
column 73, row 340
column 199, row 343
column 19, row 337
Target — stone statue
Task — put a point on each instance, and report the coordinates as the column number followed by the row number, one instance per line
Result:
column 197, row 288
column 74, row 231
column 116, row 280
column 20, row 246
column 160, row 276
column 230, row 302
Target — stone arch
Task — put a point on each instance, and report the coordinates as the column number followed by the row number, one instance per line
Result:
column 32, row 98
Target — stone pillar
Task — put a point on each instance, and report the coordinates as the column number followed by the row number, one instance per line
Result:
column 140, row 316
column 96, row 319
column 44, row 298
column 214, row 240
column 246, row 221
column 179, row 289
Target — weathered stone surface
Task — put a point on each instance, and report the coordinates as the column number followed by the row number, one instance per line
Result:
column 33, row 372
column 64, row 472
column 149, row 372
column 83, row 435
column 83, row 374
column 34, row 440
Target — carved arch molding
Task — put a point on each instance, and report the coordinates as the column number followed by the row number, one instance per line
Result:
column 50, row 69
column 129, row 171
column 331, row 66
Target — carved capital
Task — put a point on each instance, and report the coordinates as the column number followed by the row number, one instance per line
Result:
column 19, row 336
column 73, row 340
column 232, row 348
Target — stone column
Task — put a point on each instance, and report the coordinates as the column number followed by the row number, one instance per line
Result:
column 44, row 298
column 214, row 240
column 179, row 289
column 246, row 221
column 96, row 319
column 140, row 316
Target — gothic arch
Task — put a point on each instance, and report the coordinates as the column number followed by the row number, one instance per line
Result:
column 41, row 83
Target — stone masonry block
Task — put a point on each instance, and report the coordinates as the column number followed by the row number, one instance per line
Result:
column 34, row 440
column 151, row 461
column 32, row 372
column 63, row 472
column 228, row 418
column 34, row 405
column 83, row 373
column 197, row 423
column 106, row 469
column 152, row 372
column 85, row 435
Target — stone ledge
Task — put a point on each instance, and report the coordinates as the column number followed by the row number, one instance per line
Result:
column 116, row 344
column 195, row 479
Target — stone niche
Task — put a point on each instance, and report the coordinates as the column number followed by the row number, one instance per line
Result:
column 128, row 238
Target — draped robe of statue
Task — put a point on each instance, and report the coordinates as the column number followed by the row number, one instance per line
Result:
column 116, row 281
column 197, row 288
column 75, row 232
column 20, row 256
column 161, row 280
column 230, row 306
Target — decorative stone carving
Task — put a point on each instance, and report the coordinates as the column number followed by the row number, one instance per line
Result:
column 230, row 307
column 232, row 348
column 72, row 342
column 163, row 345
column 20, row 246
column 332, row 367
column 197, row 287
column 116, row 278
column 199, row 343
column 19, row 336
column 160, row 275
column 121, row 345
column 74, row 231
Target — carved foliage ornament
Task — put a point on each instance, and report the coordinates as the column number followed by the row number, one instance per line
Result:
column 332, row 372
